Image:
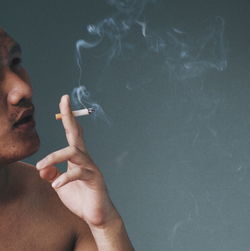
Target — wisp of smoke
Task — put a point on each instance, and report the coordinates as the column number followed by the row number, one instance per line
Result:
column 185, row 57
column 188, row 58
column 81, row 98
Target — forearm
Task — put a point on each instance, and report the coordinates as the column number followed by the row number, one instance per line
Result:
column 112, row 237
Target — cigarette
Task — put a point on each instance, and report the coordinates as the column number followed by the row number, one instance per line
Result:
column 77, row 113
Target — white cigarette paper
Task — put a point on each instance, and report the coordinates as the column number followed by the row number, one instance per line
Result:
column 77, row 113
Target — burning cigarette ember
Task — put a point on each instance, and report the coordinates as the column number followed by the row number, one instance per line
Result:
column 77, row 113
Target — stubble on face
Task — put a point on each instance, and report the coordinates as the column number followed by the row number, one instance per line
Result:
column 14, row 144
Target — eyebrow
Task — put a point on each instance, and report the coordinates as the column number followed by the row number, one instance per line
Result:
column 16, row 48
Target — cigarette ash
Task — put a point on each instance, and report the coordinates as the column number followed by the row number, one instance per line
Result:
column 81, row 98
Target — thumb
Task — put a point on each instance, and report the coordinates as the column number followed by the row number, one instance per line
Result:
column 49, row 173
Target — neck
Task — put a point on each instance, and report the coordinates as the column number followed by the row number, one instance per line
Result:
column 4, row 181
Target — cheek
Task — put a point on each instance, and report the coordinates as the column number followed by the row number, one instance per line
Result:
column 1, row 73
column 6, row 121
column 6, row 140
column 3, row 102
column 4, row 129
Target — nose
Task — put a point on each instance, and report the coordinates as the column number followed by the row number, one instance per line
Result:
column 18, row 87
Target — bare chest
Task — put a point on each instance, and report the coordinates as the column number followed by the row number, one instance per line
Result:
column 20, row 230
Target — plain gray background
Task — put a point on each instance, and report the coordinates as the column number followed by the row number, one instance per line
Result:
column 176, row 155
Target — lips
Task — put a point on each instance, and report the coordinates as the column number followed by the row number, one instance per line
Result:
column 25, row 119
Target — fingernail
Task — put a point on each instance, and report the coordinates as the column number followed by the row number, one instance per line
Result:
column 56, row 183
column 39, row 165
column 66, row 96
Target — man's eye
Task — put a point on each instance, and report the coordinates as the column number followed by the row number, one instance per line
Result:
column 16, row 62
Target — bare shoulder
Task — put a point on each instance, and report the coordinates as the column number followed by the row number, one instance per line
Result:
column 28, row 180
column 41, row 196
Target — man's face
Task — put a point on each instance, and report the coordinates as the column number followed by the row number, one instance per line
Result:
column 18, row 137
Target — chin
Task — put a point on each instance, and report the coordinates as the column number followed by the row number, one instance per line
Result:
column 28, row 146
column 21, row 147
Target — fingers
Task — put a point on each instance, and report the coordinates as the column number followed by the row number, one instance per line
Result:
column 83, row 167
column 70, row 153
column 72, row 128
column 80, row 165
column 49, row 173
column 52, row 175
column 72, row 175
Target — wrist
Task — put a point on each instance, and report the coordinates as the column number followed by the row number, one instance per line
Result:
column 112, row 234
column 113, row 220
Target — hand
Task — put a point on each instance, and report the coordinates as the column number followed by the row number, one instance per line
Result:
column 81, row 188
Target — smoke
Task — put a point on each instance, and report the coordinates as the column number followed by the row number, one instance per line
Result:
column 117, row 28
column 81, row 98
column 189, row 57
column 125, row 35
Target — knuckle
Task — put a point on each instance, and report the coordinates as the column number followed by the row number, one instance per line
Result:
column 67, row 131
column 74, row 150
column 78, row 131
column 66, row 176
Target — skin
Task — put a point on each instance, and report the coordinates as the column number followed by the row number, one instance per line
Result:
column 40, row 208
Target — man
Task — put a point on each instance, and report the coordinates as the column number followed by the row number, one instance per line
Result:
column 41, row 209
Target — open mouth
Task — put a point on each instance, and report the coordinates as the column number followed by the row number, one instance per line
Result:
column 24, row 121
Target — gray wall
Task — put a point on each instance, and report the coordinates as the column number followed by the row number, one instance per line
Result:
column 176, row 154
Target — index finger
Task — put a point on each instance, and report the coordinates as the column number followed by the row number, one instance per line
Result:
column 72, row 130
